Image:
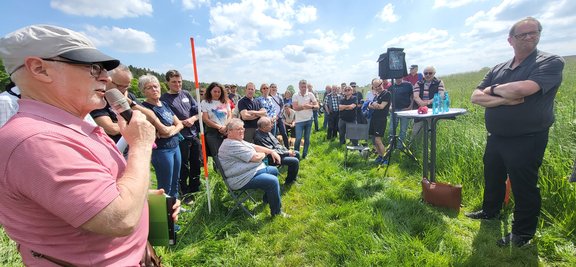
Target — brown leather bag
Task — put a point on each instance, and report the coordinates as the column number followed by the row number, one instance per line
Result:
column 442, row 194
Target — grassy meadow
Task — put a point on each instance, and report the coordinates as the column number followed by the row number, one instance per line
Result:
column 356, row 216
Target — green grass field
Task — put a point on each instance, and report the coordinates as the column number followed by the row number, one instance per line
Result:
column 355, row 216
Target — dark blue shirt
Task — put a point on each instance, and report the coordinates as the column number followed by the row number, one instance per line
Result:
column 165, row 116
column 184, row 106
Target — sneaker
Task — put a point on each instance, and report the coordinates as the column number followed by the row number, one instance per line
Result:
column 378, row 160
column 384, row 162
column 282, row 214
column 481, row 215
column 516, row 240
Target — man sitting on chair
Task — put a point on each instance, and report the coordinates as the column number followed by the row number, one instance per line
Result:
column 242, row 164
column 265, row 138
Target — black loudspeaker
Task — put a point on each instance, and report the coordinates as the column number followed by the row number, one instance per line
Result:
column 392, row 64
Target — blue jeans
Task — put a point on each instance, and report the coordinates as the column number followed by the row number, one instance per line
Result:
column 315, row 118
column 293, row 164
column 166, row 162
column 303, row 129
column 267, row 179
column 403, row 128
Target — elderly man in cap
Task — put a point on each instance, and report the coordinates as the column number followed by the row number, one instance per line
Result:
column 413, row 77
column 68, row 197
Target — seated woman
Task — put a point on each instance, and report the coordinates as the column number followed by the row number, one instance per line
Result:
column 166, row 157
column 215, row 113
column 242, row 163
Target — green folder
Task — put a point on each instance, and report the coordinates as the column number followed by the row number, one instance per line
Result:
column 161, row 224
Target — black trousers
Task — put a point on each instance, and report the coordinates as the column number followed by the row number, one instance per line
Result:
column 332, row 125
column 190, row 168
column 518, row 157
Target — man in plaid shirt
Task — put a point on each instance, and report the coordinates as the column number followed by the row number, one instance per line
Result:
column 331, row 103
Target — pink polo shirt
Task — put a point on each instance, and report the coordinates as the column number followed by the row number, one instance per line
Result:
column 57, row 172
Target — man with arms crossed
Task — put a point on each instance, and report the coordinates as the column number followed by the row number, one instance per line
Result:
column 519, row 99
column 304, row 103
column 185, row 108
column 66, row 191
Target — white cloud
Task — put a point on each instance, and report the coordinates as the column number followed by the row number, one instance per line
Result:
column 387, row 14
column 328, row 42
column 306, row 14
column 121, row 40
column 193, row 4
column 104, row 8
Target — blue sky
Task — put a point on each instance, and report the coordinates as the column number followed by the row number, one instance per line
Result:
column 325, row 42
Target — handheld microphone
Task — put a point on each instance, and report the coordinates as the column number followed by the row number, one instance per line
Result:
column 119, row 104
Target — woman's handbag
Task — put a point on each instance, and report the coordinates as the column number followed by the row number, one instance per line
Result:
column 442, row 194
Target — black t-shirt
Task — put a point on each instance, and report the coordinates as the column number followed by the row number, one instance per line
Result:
column 384, row 96
column 249, row 104
column 536, row 114
column 348, row 115
column 401, row 95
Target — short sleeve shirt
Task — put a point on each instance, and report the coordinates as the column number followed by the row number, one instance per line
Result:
column 59, row 171
column 183, row 106
column 249, row 104
column 306, row 114
column 536, row 114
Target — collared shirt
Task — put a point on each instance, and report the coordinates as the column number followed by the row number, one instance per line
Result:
column 56, row 173
column 332, row 101
column 536, row 114
column 306, row 114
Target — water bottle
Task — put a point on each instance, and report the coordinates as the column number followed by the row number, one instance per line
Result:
column 436, row 104
column 446, row 102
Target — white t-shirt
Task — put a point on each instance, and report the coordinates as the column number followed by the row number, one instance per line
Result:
column 217, row 111
column 306, row 114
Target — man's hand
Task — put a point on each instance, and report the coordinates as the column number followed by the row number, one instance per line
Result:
column 275, row 157
column 175, row 208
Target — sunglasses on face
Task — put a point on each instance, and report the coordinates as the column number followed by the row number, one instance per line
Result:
column 428, row 73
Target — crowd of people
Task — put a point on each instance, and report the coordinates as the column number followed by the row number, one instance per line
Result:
column 86, row 191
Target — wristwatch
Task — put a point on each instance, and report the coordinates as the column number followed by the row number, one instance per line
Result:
column 132, row 104
column 492, row 89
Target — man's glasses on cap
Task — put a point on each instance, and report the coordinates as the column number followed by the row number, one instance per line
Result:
column 95, row 69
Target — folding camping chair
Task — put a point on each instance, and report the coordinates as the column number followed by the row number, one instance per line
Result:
column 358, row 132
column 239, row 196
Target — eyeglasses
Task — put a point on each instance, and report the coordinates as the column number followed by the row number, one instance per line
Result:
column 95, row 69
column 524, row 36
column 264, row 88
column 428, row 73
column 120, row 86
